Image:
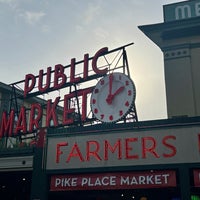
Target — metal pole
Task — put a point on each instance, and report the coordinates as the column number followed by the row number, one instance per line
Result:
column 184, row 178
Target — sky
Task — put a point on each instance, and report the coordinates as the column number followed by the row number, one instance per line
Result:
column 36, row 34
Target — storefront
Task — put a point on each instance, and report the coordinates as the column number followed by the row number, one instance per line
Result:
column 119, row 185
column 152, row 161
column 16, row 169
column 15, row 185
column 104, row 152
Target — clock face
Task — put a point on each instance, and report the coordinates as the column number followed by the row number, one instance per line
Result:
column 113, row 97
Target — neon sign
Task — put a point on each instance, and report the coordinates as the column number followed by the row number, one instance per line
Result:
column 181, row 10
column 60, row 79
column 113, row 181
column 26, row 120
column 123, row 148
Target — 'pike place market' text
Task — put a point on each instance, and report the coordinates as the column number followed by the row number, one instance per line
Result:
column 124, row 180
column 129, row 180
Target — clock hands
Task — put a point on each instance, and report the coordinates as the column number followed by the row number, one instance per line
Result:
column 110, row 84
column 111, row 96
column 118, row 91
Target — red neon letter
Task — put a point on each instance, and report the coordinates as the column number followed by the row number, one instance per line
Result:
column 7, row 125
column 149, row 145
column 93, row 152
column 99, row 53
column 67, row 110
column 51, row 112
column 35, row 116
column 85, row 71
column 72, row 72
column 27, row 87
column 117, row 146
column 169, row 146
column 48, row 80
column 128, row 148
column 58, row 151
column 59, row 76
column 84, row 94
column 75, row 152
column 21, row 123
column 199, row 141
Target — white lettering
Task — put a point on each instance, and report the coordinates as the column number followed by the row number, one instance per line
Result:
column 149, row 179
column 113, row 180
column 90, row 182
column 103, row 181
column 66, row 182
column 97, row 182
column 74, row 182
column 124, row 180
column 182, row 12
column 197, row 9
column 58, row 181
column 165, row 178
column 142, row 179
column 84, row 181
column 158, row 179
column 134, row 181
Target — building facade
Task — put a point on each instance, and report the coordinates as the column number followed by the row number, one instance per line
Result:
column 178, row 38
column 72, row 155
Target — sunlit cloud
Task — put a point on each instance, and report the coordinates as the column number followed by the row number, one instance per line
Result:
column 92, row 11
column 7, row 1
column 45, row 29
column 138, row 2
column 79, row 28
column 11, row 3
column 32, row 17
column 101, row 33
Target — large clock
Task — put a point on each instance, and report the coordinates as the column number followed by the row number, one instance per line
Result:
column 113, row 97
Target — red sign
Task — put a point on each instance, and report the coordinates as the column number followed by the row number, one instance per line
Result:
column 10, row 127
column 92, row 149
column 197, row 177
column 59, row 76
column 112, row 181
column 37, row 116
